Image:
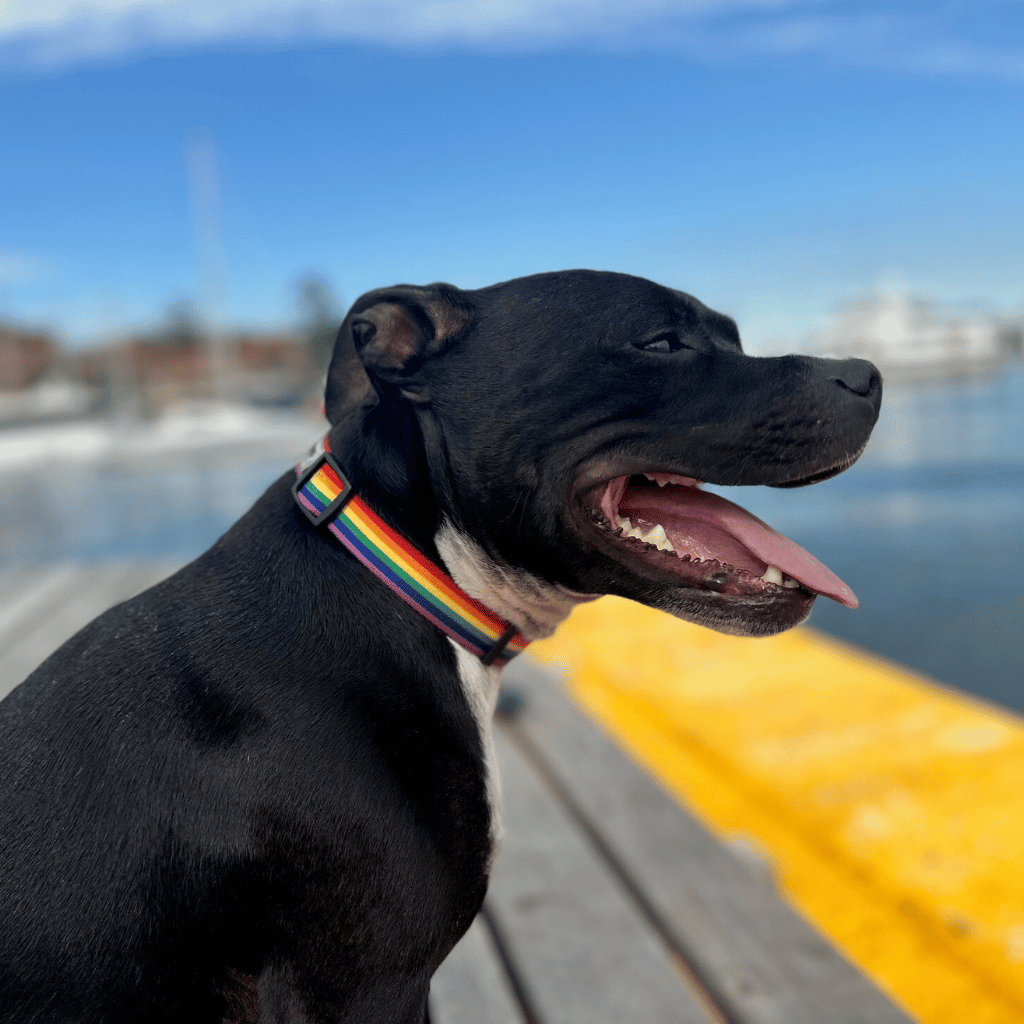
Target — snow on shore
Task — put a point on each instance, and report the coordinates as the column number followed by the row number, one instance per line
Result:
column 191, row 430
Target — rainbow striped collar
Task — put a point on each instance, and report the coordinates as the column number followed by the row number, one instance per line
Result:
column 327, row 499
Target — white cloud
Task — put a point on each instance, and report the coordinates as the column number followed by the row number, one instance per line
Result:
column 919, row 35
column 905, row 39
column 397, row 21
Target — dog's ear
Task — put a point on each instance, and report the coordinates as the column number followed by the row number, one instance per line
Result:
column 386, row 337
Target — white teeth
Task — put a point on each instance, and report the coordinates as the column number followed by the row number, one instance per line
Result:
column 659, row 539
column 774, row 575
column 664, row 479
column 655, row 536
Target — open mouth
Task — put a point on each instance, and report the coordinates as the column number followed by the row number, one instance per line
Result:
column 669, row 524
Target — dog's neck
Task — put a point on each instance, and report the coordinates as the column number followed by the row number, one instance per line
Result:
column 535, row 606
column 329, row 501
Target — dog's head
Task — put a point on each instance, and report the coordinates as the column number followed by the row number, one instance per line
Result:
column 554, row 430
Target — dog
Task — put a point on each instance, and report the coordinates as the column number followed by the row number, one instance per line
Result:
column 264, row 789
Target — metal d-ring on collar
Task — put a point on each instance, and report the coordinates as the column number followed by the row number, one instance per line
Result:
column 327, row 499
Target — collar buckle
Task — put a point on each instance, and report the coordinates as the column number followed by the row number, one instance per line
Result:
column 322, row 490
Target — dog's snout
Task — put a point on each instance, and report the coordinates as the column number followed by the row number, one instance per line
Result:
column 859, row 377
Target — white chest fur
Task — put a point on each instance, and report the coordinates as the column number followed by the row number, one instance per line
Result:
column 535, row 606
column 480, row 684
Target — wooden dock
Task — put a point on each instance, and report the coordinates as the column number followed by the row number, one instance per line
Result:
column 609, row 903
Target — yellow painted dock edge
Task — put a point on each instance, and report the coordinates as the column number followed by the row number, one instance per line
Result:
column 890, row 810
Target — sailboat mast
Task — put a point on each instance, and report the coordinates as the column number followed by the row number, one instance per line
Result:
column 205, row 201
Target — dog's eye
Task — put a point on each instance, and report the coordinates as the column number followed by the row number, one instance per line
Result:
column 667, row 342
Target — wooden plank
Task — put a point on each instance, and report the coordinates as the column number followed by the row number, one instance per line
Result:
column 762, row 963
column 73, row 597
column 585, row 953
column 471, row 986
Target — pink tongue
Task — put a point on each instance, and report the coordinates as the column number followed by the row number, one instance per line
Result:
column 688, row 511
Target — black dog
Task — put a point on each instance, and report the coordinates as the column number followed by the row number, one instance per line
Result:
column 261, row 791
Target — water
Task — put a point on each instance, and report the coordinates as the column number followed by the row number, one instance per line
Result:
column 928, row 529
column 107, row 513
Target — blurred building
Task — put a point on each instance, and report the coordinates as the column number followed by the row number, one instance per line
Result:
column 910, row 336
column 34, row 380
column 178, row 361
column 274, row 369
column 157, row 371
column 26, row 357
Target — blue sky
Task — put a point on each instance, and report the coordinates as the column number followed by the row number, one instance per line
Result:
column 773, row 157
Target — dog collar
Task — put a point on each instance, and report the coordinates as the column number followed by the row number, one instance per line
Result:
column 328, row 500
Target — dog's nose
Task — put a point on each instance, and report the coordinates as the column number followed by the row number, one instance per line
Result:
column 859, row 377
